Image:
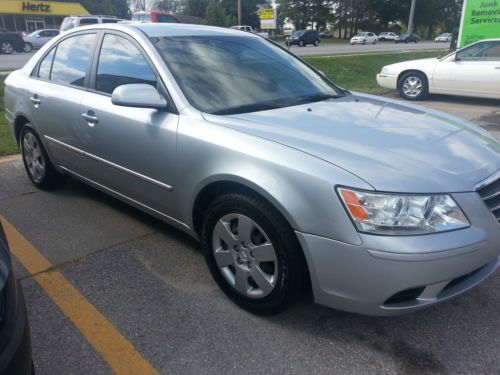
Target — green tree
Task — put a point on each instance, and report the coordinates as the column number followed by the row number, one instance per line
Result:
column 197, row 8
column 171, row 6
column 216, row 16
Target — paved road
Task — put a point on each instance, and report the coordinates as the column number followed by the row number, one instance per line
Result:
column 14, row 61
column 151, row 283
column 326, row 49
column 17, row 60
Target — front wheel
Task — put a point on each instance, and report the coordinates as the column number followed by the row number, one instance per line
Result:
column 253, row 253
column 364, row 41
column 316, row 43
column 301, row 43
column 40, row 170
column 413, row 86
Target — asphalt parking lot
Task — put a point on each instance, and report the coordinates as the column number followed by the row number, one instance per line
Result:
column 98, row 274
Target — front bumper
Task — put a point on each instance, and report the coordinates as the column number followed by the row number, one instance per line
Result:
column 15, row 354
column 387, row 80
column 389, row 275
column 356, row 41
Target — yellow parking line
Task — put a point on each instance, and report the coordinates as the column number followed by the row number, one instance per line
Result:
column 8, row 159
column 116, row 350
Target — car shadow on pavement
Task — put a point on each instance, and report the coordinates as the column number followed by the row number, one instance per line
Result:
column 457, row 336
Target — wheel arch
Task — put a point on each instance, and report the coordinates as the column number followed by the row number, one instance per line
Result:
column 19, row 122
column 214, row 188
column 400, row 75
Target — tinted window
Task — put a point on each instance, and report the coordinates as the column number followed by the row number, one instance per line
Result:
column 135, row 17
column 145, row 17
column 109, row 20
column 45, row 65
column 120, row 63
column 71, row 60
column 88, row 21
column 237, row 74
column 45, row 34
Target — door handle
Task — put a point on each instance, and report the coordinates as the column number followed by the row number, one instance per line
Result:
column 90, row 118
column 497, row 67
column 35, row 100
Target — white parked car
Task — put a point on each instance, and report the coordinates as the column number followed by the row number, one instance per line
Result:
column 364, row 38
column 249, row 29
column 443, row 38
column 470, row 71
column 38, row 38
column 387, row 35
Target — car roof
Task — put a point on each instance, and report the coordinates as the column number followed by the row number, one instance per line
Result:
column 169, row 29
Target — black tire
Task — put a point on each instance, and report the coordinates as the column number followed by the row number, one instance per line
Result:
column 6, row 47
column 364, row 41
column 28, row 47
column 375, row 41
column 301, row 43
column 424, row 92
column 50, row 178
column 316, row 43
column 292, row 276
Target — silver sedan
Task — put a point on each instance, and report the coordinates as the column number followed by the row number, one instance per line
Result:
column 38, row 38
column 290, row 182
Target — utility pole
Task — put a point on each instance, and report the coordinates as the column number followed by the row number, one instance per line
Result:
column 239, row 12
column 412, row 15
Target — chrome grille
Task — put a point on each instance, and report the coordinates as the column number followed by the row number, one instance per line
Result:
column 489, row 191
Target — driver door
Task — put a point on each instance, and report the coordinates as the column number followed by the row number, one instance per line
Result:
column 131, row 150
column 472, row 71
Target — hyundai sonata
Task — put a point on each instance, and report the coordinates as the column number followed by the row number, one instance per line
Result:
column 289, row 181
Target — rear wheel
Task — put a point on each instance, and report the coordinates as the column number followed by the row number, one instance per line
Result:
column 6, row 47
column 301, row 43
column 28, row 48
column 253, row 253
column 364, row 41
column 413, row 86
column 316, row 43
column 36, row 162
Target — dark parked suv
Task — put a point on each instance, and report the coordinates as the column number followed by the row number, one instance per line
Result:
column 303, row 38
column 10, row 42
column 15, row 341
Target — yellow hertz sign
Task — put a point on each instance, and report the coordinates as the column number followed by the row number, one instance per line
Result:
column 40, row 8
column 267, row 14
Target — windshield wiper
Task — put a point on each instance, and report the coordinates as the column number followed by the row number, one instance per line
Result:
column 315, row 98
column 246, row 108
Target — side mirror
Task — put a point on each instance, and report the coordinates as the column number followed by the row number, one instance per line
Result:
column 139, row 95
column 37, row 36
column 457, row 58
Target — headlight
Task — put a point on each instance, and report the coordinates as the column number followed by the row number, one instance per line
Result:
column 401, row 214
column 385, row 70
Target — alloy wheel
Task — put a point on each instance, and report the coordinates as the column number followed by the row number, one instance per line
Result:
column 412, row 86
column 6, row 48
column 245, row 255
column 33, row 157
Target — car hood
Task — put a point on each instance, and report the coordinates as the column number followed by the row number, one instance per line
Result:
column 421, row 64
column 390, row 145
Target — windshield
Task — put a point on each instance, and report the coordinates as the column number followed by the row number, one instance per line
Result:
column 299, row 33
column 235, row 74
column 361, row 34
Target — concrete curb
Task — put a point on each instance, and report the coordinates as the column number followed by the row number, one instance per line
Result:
column 9, row 158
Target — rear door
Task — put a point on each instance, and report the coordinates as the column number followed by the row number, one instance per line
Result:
column 56, row 90
column 131, row 150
